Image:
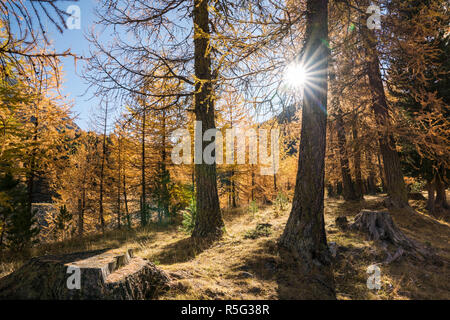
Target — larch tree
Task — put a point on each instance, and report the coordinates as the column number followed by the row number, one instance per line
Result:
column 304, row 233
column 103, row 124
column 395, row 183
column 177, row 38
column 418, row 85
column 154, row 21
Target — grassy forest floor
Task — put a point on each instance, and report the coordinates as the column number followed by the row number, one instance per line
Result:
column 246, row 264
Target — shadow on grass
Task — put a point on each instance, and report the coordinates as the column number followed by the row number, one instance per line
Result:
column 294, row 282
column 75, row 256
column 230, row 214
column 182, row 250
column 270, row 262
column 109, row 240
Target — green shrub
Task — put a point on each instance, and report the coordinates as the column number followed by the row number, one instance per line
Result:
column 63, row 220
column 261, row 230
column 281, row 202
column 417, row 186
column 253, row 208
column 189, row 217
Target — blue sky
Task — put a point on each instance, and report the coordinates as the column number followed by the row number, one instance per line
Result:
column 74, row 86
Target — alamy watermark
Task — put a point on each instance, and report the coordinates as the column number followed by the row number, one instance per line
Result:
column 213, row 152
column 73, row 22
column 374, row 20
column 374, row 279
column 74, row 280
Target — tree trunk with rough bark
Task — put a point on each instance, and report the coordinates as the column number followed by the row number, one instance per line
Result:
column 430, row 200
column 441, row 209
column 81, row 215
column 253, row 183
column 395, row 184
column 441, row 197
column 119, row 169
column 143, row 185
column 2, row 234
column 371, row 184
column 233, row 194
column 125, row 200
column 31, row 174
column 359, row 188
column 347, row 182
column 208, row 221
column 304, row 234
column 381, row 173
column 102, row 171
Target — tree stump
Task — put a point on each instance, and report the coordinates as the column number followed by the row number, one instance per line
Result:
column 104, row 275
column 381, row 228
column 341, row 222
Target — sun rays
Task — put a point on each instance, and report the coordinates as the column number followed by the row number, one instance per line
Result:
column 306, row 75
column 295, row 75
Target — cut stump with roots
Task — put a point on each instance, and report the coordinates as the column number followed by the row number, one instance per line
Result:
column 103, row 275
column 381, row 228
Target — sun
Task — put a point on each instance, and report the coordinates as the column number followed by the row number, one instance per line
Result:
column 295, row 75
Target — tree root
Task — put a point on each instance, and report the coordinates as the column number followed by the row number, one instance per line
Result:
column 381, row 228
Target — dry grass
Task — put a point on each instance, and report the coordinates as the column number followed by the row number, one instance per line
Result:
column 402, row 279
column 237, row 267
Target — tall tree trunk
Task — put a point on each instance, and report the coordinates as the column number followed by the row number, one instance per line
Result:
column 348, row 186
column 371, row 185
column 275, row 187
column 208, row 222
column 304, row 233
column 330, row 190
column 32, row 169
column 81, row 214
column 119, row 169
column 275, row 182
column 339, row 188
column 359, row 188
column 430, row 201
column 143, row 190
column 381, row 172
column 164, row 194
column 102, row 171
column 82, row 203
column 441, row 197
column 30, row 186
column 233, row 194
column 395, row 184
column 125, row 200
column 253, row 183
column 2, row 234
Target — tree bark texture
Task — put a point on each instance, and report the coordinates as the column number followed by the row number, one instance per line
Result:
column 208, row 222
